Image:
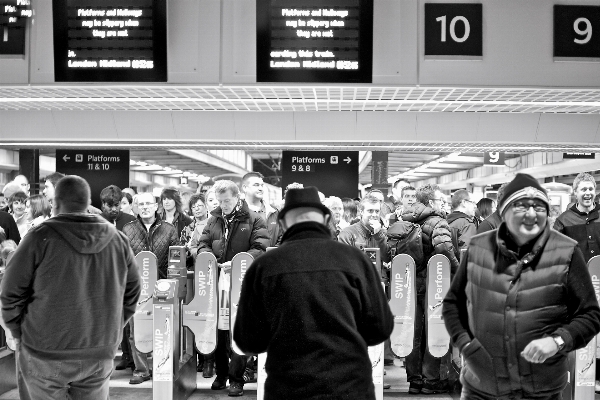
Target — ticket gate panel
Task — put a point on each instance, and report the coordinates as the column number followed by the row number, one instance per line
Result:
column 143, row 318
column 200, row 315
column 438, row 284
column 403, row 299
column 239, row 265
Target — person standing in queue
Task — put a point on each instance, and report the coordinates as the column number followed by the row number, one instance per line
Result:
column 172, row 210
column 254, row 188
column 68, row 291
column 462, row 220
column 408, row 197
column 110, row 198
column 581, row 222
column 424, row 372
column 148, row 233
column 314, row 305
column 520, row 301
column 493, row 220
column 232, row 228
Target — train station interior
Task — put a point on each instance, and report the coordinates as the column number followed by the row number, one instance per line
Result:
column 524, row 98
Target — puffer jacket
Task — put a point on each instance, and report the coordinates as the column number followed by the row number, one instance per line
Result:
column 437, row 238
column 464, row 226
column 503, row 297
column 248, row 233
column 161, row 235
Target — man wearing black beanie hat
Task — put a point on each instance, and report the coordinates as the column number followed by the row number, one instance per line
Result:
column 521, row 299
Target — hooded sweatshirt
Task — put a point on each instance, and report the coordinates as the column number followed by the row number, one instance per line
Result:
column 70, row 287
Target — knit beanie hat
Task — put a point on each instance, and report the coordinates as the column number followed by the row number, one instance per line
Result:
column 523, row 186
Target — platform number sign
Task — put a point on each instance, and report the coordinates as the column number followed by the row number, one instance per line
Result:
column 453, row 29
column 493, row 158
column 576, row 31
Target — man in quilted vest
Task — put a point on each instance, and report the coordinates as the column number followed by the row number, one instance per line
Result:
column 521, row 299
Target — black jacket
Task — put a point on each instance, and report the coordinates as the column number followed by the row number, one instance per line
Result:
column 161, row 235
column 464, row 227
column 492, row 222
column 314, row 305
column 120, row 221
column 180, row 221
column 248, row 234
column 11, row 231
column 583, row 227
column 503, row 297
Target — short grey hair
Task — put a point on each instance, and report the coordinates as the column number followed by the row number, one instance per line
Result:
column 224, row 185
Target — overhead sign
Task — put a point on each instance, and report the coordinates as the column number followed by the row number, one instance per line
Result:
column 110, row 41
column 589, row 156
column 100, row 168
column 13, row 22
column 453, row 29
column 493, row 158
column 577, row 31
column 314, row 41
column 379, row 169
column 335, row 173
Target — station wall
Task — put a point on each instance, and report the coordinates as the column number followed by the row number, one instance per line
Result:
column 214, row 42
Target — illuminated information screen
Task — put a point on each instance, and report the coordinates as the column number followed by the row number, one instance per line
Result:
column 110, row 40
column 314, row 41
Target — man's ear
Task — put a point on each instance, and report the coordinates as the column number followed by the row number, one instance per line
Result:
column 327, row 218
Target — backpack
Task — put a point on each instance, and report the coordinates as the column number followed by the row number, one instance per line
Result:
column 406, row 238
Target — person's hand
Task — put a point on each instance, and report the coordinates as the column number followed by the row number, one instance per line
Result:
column 226, row 266
column 376, row 225
column 539, row 350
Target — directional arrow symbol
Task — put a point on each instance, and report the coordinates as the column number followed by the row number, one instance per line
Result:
column 347, row 159
column 65, row 158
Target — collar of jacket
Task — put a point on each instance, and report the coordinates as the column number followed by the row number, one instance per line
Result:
column 419, row 212
column 307, row 230
column 157, row 221
column 594, row 214
column 504, row 241
column 176, row 216
column 454, row 215
column 364, row 228
column 242, row 214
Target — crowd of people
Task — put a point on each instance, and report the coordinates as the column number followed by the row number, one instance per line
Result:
column 498, row 249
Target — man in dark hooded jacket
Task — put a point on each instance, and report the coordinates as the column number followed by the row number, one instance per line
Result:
column 70, row 287
column 462, row 220
column 314, row 305
column 422, row 369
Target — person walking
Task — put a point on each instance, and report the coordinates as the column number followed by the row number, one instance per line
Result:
column 521, row 300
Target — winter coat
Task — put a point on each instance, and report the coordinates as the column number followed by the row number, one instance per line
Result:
column 314, row 305
column 11, row 231
column 583, row 227
column 180, row 221
column 120, row 221
column 360, row 236
column 271, row 217
column 161, row 235
column 437, row 238
column 492, row 222
column 70, row 288
column 503, row 297
column 464, row 226
column 248, row 233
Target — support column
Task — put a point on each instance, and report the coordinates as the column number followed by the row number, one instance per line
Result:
column 29, row 165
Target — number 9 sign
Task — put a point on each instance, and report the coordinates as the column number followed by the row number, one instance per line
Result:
column 493, row 158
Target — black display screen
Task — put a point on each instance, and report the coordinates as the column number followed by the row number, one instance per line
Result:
column 314, row 41
column 110, row 40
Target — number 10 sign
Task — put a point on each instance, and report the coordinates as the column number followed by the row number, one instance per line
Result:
column 453, row 29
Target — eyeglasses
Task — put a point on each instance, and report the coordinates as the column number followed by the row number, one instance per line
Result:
column 198, row 205
column 524, row 206
column 145, row 205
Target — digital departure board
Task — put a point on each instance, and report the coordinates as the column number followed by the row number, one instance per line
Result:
column 314, row 41
column 110, row 40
